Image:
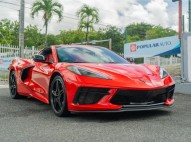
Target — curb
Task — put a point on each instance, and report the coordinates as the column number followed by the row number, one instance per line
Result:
column 4, row 86
column 184, row 88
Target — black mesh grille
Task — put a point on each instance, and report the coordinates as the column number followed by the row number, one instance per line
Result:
column 170, row 91
column 128, row 97
column 89, row 95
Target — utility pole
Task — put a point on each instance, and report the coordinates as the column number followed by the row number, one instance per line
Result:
column 183, row 29
column 126, row 37
column 21, row 28
column 189, row 13
column 110, row 43
column 180, row 18
column 97, row 41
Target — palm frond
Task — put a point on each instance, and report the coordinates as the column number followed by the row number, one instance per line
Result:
column 48, row 7
column 36, row 7
column 58, row 5
column 59, row 13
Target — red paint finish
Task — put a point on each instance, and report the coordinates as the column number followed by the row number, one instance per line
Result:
column 122, row 76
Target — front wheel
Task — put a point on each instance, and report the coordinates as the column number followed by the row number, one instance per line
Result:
column 58, row 98
column 13, row 85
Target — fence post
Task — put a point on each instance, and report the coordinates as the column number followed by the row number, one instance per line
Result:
column 144, row 60
column 32, row 50
column 171, row 57
column 158, row 60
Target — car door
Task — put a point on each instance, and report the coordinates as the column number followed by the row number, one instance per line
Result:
column 41, row 74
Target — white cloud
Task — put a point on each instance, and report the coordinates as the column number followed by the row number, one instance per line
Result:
column 157, row 10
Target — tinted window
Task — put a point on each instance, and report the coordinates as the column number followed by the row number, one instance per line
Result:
column 88, row 55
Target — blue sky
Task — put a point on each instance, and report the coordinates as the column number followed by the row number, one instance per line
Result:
column 116, row 12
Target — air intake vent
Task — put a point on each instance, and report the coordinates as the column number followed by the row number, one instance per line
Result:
column 87, row 95
column 170, row 91
column 128, row 97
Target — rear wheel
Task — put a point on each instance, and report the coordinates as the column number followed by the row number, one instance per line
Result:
column 58, row 98
column 13, row 85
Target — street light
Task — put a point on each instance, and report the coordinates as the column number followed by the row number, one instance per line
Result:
column 96, row 41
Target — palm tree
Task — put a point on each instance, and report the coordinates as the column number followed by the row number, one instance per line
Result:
column 49, row 8
column 88, row 16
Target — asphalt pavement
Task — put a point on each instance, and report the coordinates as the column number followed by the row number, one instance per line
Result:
column 29, row 120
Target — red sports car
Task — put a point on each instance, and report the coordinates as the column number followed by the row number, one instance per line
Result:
column 78, row 78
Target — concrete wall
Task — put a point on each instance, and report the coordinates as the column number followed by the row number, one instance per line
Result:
column 186, row 56
column 183, row 88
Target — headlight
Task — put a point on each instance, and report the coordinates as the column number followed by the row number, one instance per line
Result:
column 85, row 72
column 163, row 73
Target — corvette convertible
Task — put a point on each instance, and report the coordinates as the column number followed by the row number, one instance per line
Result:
column 82, row 78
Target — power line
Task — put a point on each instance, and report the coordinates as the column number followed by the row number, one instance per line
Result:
column 53, row 18
column 100, row 23
column 69, row 17
column 9, row 3
column 13, row 4
column 9, row 7
column 25, row 2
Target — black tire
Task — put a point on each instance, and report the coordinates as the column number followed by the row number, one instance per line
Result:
column 13, row 85
column 58, row 97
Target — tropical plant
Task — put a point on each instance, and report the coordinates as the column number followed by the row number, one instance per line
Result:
column 33, row 36
column 9, row 31
column 88, row 16
column 159, row 32
column 137, row 31
column 117, row 37
column 49, row 8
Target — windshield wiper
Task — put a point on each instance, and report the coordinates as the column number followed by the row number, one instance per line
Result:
column 112, row 62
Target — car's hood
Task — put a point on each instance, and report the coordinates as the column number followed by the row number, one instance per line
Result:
column 137, row 75
column 128, row 70
column 124, row 75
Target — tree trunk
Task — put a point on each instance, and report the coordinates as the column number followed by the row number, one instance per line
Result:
column 87, row 26
column 87, row 41
column 45, row 35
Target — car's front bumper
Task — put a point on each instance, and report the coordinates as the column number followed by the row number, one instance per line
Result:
column 129, row 108
column 106, row 103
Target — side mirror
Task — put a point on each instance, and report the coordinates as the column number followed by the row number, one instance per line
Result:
column 131, row 60
column 39, row 58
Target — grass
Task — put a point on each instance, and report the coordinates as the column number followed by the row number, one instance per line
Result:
column 3, row 77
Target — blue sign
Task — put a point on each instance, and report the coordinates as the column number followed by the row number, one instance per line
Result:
column 5, row 62
column 155, row 47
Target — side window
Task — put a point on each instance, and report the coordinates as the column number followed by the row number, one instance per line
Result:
column 47, row 53
column 49, row 58
column 63, row 56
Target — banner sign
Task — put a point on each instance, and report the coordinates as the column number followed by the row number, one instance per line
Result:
column 155, row 47
column 5, row 62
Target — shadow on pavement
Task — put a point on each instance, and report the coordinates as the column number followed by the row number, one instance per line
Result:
column 109, row 117
column 34, row 107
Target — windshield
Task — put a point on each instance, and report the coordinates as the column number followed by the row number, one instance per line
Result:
column 88, row 55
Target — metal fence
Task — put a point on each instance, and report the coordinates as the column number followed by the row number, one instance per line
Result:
column 172, row 64
column 7, row 54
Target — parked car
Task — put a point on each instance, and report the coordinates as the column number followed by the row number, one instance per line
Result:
column 79, row 78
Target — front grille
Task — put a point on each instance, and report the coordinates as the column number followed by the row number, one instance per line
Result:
column 87, row 95
column 136, row 97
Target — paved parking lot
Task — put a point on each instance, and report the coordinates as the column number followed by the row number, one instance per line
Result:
column 30, row 120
